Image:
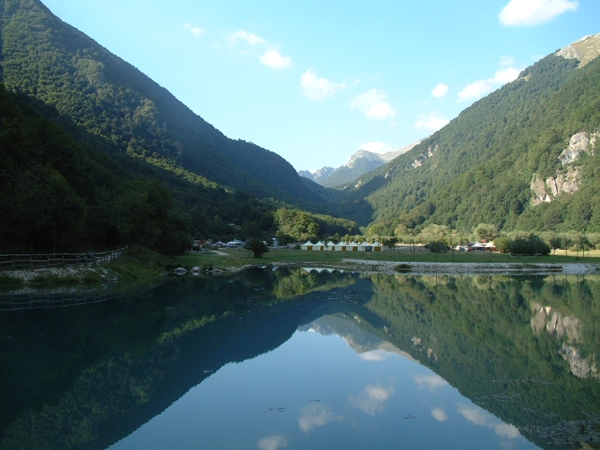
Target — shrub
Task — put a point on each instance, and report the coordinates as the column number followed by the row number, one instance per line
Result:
column 528, row 245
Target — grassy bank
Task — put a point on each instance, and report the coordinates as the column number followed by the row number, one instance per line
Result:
column 138, row 263
column 235, row 258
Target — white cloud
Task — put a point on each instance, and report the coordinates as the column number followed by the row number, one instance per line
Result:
column 272, row 443
column 507, row 61
column 481, row 88
column 250, row 38
column 372, row 400
column 318, row 88
column 440, row 90
column 439, row 414
column 274, row 59
column 313, row 416
column 271, row 57
column 373, row 104
column 431, row 122
column 534, row 12
column 377, row 147
column 196, row 31
column 431, row 382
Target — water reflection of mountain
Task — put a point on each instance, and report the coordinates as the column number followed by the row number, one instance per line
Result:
column 121, row 363
column 524, row 349
column 364, row 343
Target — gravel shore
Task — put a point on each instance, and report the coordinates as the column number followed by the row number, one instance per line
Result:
column 416, row 268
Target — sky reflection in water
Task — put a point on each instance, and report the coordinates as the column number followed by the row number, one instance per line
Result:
column 316, row 391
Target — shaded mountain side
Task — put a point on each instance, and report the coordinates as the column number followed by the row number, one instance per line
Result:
column 202, row 333
column 486, row 165
column 47, row 59
column 58, row 193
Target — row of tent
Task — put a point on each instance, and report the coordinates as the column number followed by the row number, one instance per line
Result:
column 342, row 246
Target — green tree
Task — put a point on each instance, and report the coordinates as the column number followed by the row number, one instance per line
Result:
column 486, row 231
column 257, row 247
column 390, row 242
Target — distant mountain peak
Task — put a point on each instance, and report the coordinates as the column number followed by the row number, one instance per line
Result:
column 365, row 155
column 361, row 162
column 584, row 50
column 317, row 175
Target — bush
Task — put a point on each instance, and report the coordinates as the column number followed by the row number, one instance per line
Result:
column 437, row 247
column 531, row 245
column 501, row 244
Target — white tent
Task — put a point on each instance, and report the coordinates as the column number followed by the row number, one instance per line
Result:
column 307, row 246
column 352, row 246
column 341, row 247
column 319, row 246
column 330, row 246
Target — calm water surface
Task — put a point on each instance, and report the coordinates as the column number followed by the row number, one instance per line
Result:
column 291, row 358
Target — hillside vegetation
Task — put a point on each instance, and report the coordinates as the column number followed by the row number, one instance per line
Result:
column 483, row 166
column 94, row 155
column 46, row 59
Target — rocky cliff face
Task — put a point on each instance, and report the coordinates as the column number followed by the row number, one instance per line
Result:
column 318, row 176
column 584, row 50
column 568, row 181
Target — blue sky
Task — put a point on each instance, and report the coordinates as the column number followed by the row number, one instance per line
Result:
column 316, row 80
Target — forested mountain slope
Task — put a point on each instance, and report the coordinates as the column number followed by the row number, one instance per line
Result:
column 44, row 58
column 59, row 193
column 521, row 158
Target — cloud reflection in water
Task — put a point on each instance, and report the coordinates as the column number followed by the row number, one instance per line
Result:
column 478, row 416
column 314, row 415
column 431, row 382
column 439, row 414
column 272, row 443
column 372, row 399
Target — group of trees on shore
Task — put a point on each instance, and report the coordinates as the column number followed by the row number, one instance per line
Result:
column 520, row 242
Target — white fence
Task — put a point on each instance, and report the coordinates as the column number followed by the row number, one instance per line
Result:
column 39, row 260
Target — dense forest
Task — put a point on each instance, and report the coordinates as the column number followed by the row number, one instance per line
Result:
column 46, row 59
column 59, row 194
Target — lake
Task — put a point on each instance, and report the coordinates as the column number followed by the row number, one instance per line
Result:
column 290, row 358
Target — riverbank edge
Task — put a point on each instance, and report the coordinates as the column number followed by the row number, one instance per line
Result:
column 428, row 268
column 55, row 277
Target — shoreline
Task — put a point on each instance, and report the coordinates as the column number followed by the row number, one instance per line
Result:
column 449, row 268
column 358, row 265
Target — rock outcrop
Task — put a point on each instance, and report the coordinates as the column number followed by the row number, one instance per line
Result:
column 584, row 50
column 564, row 182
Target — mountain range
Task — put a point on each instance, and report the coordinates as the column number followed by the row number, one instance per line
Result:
column 360, row 162
column 108, row 157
